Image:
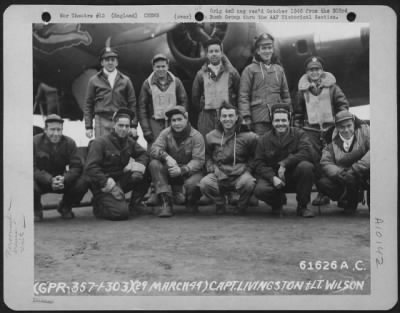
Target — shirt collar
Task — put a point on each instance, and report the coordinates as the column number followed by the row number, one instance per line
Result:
column 215, row 68
column 107, row 73
column 346, row 142
column 155, row 80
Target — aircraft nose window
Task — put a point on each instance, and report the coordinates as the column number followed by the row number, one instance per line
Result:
column 199, row 16
column 302, row 46
column 46, row 17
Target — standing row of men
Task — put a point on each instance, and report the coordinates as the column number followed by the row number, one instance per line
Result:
column 229, row 106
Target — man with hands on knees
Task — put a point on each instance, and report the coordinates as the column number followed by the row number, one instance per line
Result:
column 345, row 162
column 178, row 156
column 57, row 168
column 229, row 159
column 283, row 162
column 115, row 165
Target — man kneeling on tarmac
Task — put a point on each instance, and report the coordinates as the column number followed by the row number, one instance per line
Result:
column 57, row 168
column 229, row 158
column 178, row 156
column 345, row 162
column 283, row 162
column 115, row 165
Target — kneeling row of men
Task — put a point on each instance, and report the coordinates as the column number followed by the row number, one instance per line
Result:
column 230, row 159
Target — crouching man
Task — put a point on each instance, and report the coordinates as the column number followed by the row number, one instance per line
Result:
column 178, row 156
column 57, row 168
column 283, row 163
column 229, row 158
column 115, row 165
column 345, row 161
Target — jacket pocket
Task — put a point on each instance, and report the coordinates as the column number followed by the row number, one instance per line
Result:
column 255, row 101
column 188, row 147
column 260, row 113
column 98, row 98
column 42, row 160
column 112, row 157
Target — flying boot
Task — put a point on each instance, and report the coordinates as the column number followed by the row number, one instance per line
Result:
column 166, row 205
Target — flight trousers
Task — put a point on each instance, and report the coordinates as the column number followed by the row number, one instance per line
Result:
column 299, row 180
column 107, row 206
column 216, row 189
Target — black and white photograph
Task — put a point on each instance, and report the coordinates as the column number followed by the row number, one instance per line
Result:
column 215, row 156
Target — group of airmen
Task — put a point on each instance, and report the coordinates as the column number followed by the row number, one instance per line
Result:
column 251, row 142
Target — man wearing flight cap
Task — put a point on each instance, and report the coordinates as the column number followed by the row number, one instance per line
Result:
column 262, row 84
column 57, row 168
column 178, row 156
column 283, row 163
column 160, row 91
column 108, row 91
column 318, row 100
column 115, row 165
column 345, row 161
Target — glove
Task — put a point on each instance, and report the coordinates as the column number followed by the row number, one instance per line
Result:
column 341, row 175
column 129, row 166
column 247, row 120
column 134, row 133
column 185, row 170
column 350, row 177
column 174, row 171
column 110, row 184
column 89, row 133
column 281, row 173
column 136, row 177
column 149, row 137
column 210, row 168
column 138, row 167
column 134, row 166
column 277, row 182
column 170, row 161
column 57, row 183
column 118, row 193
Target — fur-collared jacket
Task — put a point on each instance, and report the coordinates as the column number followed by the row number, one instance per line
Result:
column 334, row 158
column 260, row 88
column 337, row 98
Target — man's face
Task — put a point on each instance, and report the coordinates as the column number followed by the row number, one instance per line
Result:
column 280, row 123
column 110, row 63
column 178, row 122
column 265, row 51
column 228, row 118
column 346, row 129
column 214, row 54
column 314, row 73
column 122, row 126
column 160, row 68
column 53, row 131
